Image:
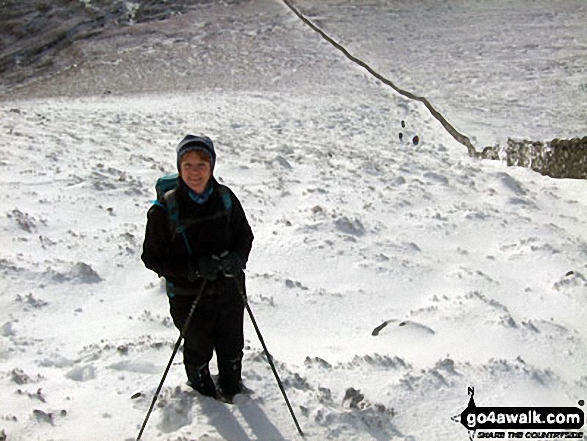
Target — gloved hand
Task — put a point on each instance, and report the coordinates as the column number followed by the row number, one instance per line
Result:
column 208, row 267
column 231, row 264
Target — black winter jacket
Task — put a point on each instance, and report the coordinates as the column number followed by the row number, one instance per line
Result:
column 215, row 231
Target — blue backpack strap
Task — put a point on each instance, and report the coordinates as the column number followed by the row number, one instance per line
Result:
column 175, row 225
column 226, row 199
column 165, row 184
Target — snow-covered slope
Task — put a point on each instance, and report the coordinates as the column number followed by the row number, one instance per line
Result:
column 494, row 69
column 479, row 270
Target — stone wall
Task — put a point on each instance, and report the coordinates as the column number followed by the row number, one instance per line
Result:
column 559, row 158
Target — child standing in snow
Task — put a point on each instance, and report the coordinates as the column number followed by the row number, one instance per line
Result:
column 208, row 256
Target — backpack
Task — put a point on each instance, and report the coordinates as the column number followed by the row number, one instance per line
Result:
column 166, row 198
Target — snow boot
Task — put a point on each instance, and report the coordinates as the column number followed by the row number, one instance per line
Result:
column 199, row 379
column 229, row 380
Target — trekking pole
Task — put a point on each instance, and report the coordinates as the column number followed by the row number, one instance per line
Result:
column 269, row 357
column 182, row 332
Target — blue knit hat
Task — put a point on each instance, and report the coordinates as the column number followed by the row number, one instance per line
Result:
column 196, row 143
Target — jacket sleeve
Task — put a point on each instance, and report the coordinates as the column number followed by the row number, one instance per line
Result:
column 156, row 246
column 242, row 233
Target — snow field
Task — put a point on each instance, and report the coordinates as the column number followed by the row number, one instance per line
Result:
column 478, row 268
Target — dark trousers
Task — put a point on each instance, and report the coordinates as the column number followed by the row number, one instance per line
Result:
column 216, row 325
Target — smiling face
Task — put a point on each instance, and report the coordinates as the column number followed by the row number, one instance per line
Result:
column 195, row 170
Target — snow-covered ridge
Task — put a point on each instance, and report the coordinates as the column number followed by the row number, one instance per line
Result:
column 495, row 70
column 559, row 159
column 101, row 45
